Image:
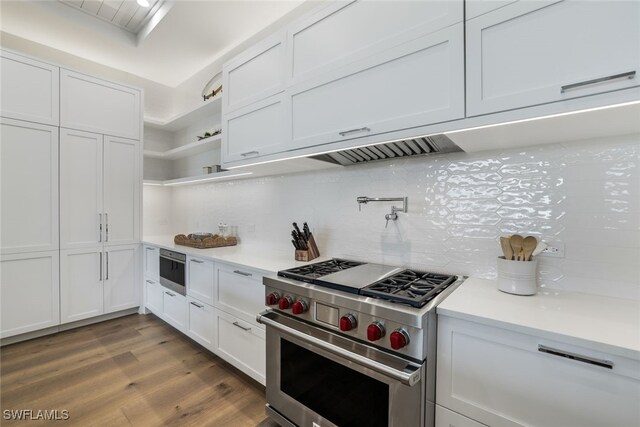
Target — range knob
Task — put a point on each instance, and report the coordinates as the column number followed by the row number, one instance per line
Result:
column 272, row 298
column 285, row 302
column 299, row 307
column 375, row 331
column 348, row 322
column 399, row 338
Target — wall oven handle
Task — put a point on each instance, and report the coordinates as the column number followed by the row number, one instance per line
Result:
column 408, row 378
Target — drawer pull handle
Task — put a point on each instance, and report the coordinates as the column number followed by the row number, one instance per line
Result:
column 150, row 281
column 170, row 294
column 242, row 273
column 627, row 75
column 580, row 358
column 241, row 327
column 197, row 305
column 250, row 153
column 350, row 131
column 197, row 261
column 150, row 249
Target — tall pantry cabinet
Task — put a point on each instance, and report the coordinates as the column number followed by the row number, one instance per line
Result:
column 70, row 177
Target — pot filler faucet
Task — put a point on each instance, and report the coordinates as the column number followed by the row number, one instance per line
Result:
column 394, row 210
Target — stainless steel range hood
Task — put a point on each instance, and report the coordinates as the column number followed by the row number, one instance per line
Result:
column 391, row 150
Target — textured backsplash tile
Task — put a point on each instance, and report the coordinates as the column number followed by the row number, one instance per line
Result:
column 585, row 194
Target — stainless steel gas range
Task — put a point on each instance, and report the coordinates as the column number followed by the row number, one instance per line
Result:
column 352, row 344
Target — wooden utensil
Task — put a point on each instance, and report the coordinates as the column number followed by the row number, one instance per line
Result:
column 516, row 244
column 528, row 246
column 506, row 248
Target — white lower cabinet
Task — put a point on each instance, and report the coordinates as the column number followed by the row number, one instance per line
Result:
column 239, row 291
column 121, row 290
column 447, row 418
column 81, row 284
column 200, row 279
column 499, row 377
column 154, row 292
column 28, row 292
column 242, row 344
column 202, row 319
column 174, row 309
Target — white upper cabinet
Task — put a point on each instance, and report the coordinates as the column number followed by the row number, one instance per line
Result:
column 535, row 52
column 29, row 89
column 343, row 32
column 29, row 186
column 95, row 105
column 81, row 210
column 255, row 74
column 121, row 191
column 121, row 284
column 417, row 83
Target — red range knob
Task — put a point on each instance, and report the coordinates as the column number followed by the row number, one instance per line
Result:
column 348, row 322
column 375, row 331
column 272, row 298
column 299, row 307
column 284, row 302
column 399, row 338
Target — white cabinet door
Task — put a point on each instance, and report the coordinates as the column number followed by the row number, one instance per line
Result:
column 29, row 292
column 151, row 256
column 95, row 105
column 29, row 89
column 447, row 418
column 121, row 278
column 81, row 284
column 535, row 52
column 174, row 309
column 121, row 191
column 256, row 130
column 344, row 32
column 254, row 74
column 29, row 186
column 81, row 218
column 418, row 83
column 201, row 323
column 200, row 279
column 241, row 344
column 239, row 291
column 154, row 292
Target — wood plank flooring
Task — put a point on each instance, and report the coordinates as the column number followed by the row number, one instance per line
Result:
column 135, row 370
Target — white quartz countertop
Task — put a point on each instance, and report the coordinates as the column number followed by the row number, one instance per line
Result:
column 264, row 259
column 609, row 324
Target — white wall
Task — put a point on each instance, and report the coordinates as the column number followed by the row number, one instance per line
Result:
column 585, row 194
column 157, row 211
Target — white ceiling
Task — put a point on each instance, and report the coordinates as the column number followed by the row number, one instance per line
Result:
column 191, row 35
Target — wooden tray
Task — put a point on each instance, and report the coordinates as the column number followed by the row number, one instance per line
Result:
column 215, row 241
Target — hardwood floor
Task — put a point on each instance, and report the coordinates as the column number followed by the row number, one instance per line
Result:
column 135, row 370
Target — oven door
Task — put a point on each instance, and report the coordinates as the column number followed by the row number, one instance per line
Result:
column 172, row 271
column 318, row 378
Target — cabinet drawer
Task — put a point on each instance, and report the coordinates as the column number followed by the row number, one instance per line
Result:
column 155, row 297
column 241, row 344
column 239, row 291
column 500, row 378
column 174, row 309
column 365, row 28
column 29, row 89
column 200, row 279
column 531, row 53
column 418, row 83
column 152, row 263
column 447, row 418
column 201, row 323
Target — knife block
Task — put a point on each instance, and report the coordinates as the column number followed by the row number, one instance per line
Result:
column 310, row 254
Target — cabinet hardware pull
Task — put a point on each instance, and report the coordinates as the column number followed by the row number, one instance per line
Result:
column 242, row 273
column 250, row 153
column 197, row 305
column 580, row 358
column 170, row 294
column 241, row 327
column 627, row 75
column 107, row 278
column 100, row 266
column 106, row 226
column 100, row 227
column 150, row 281
column 350, row 131
column 150, row 249
column 197, row 261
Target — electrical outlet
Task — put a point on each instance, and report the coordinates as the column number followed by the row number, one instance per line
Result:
column 554, row 249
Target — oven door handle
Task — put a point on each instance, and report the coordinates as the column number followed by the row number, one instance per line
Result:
column 408, row 378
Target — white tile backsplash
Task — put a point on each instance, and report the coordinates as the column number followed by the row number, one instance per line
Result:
column 585, row 194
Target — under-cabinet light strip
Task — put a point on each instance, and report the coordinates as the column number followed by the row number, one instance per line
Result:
column 207, row 179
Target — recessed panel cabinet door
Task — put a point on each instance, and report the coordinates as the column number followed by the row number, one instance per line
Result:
column 28, row 292
column 29, row 187
column 121, row 191
column 535, row 52
column 81, row 284
column 121, row 283
column 81, row 218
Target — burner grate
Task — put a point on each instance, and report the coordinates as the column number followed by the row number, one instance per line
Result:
column 308, row 273
column 409, row 287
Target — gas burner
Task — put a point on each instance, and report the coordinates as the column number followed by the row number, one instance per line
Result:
column 310, row 272
column 409, row 287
